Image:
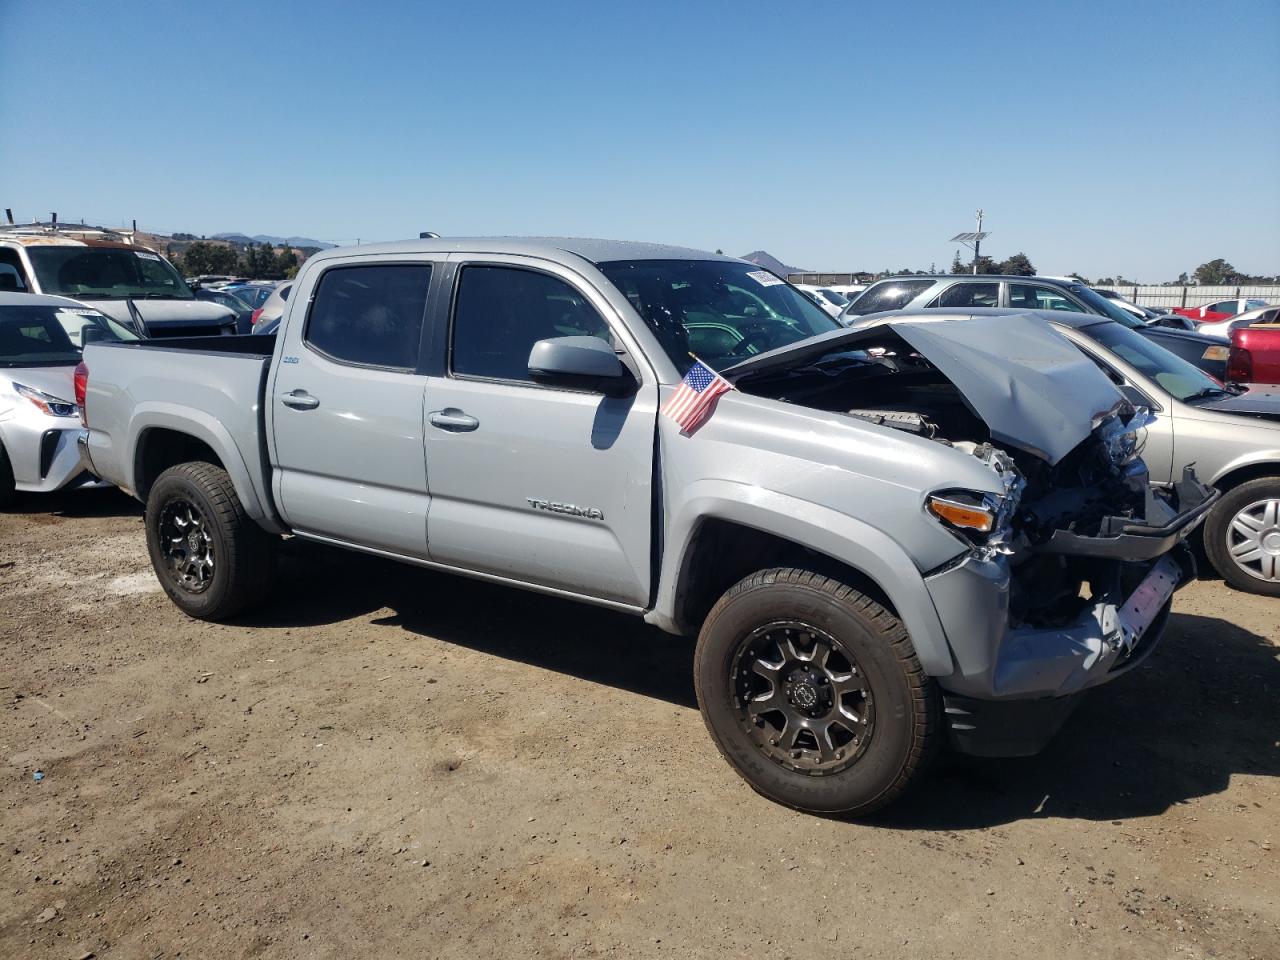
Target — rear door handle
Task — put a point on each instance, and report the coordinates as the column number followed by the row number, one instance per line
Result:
column 453, row 420
column 299, row 400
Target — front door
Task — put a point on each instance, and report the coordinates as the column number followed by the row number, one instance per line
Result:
column 346, row 406
column 542, row 485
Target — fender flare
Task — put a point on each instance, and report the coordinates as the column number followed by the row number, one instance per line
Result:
column 151, row 415
column 1254, row 458
column 851, row 541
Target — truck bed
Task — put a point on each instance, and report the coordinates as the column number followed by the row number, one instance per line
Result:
column 262, row 345
column 211, row 388
column 1255, row 355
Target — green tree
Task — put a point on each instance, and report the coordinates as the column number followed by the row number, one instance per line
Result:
column 286, row 263
column 202, row 257
column 958, row 265
column 224, row 258
column 1019, row 265
column 1215, row 273
column 986, row 265
column 266, row 262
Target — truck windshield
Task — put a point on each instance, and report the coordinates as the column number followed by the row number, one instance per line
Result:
column 100, row 273
column 1179, row 378
column 52, row 336
column 720, row 311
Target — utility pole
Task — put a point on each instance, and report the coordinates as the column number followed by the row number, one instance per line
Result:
column 977, row 241
column 973, row 241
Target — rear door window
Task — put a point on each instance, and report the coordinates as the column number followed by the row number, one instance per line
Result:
column 969, row 294
column 370, row 315
column 1031, row 296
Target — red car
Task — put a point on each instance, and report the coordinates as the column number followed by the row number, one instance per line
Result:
column 1221, row 310
column 1255, row 354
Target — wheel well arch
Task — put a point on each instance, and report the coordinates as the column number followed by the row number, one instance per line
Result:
column 160, row 448
column 1249, row 471
column 721, row 552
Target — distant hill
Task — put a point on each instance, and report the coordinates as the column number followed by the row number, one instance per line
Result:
column 244, row 240
column 770, row 262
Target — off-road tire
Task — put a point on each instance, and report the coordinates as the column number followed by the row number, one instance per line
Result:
column 1217, row 528
column 908, row 718
column 243, row 553
column 8, row 492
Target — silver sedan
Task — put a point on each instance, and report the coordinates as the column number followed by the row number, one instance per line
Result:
column 40, row 343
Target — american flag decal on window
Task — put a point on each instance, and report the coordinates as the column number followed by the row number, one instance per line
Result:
column 695, row 398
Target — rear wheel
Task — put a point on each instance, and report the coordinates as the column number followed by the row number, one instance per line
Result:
column 813, row 692
column 8, row 492
column 211, row 559
column 1242, row 536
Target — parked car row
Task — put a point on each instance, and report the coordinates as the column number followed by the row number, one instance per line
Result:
column 1208, row 351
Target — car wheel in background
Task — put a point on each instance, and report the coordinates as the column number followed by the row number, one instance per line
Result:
column 814, row 694
column 211, row 559
column 1242, row 536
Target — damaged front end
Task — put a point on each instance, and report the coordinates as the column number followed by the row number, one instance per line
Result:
column 1068, row 572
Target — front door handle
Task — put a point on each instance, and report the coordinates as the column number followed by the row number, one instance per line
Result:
column 299, row 400
column 453, row 420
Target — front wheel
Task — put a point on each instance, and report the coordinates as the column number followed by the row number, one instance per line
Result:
column 211, row 559
column 1242, row 536
column 814, row 694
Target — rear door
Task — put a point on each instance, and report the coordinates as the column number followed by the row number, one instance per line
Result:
column 345, row 402
column 543, row 485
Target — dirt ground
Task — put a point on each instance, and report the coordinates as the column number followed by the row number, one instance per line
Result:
column 389, row 762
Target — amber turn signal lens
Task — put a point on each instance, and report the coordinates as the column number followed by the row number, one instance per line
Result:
column 1216, row 353
column 962, row 514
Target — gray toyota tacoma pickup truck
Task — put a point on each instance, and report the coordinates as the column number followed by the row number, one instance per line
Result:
column 882, row 539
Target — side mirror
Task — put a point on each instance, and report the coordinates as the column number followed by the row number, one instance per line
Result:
column 91, row 334
column 587, row 363
column 1135, row 396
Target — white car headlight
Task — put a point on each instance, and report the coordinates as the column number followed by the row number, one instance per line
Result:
column 49, row 405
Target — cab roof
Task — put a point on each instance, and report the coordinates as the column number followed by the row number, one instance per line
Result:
column 592, row 250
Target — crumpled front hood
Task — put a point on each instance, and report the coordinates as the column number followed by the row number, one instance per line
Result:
column 1033, row 389
column 165, row 313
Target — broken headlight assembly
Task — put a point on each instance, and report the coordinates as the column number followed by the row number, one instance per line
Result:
column 983, row 520
column 1122, row 442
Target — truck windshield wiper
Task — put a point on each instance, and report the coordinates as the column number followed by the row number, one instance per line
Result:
column 1207, row 392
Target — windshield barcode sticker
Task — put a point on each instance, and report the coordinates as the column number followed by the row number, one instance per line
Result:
column 765, row 278
column 143, row 255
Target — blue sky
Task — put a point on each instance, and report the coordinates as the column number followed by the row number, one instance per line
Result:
column 1140, row 138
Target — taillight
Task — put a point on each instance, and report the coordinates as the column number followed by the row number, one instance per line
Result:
column 81, row 378
column 257, row 314
column 1240, row 365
